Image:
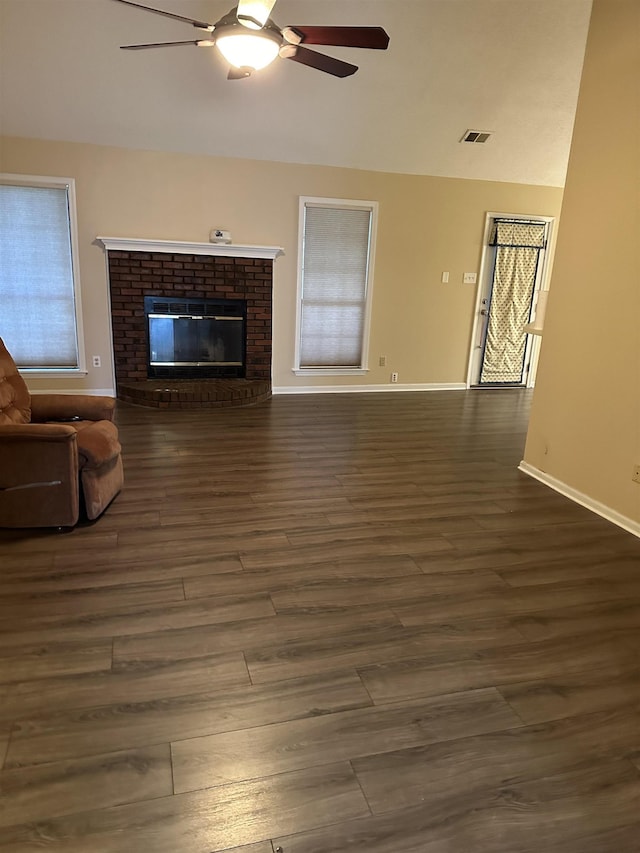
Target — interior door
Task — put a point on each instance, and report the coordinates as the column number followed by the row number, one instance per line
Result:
column 513, row 264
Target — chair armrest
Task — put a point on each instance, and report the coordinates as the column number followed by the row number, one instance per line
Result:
column 34, row 453
column 85, row 407
column 14, row 434
column 38, row 475
column 98, row 443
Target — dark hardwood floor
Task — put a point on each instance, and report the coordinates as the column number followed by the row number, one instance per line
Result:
column 326, row 624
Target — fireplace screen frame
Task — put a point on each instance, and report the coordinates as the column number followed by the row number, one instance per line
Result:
column 198, row 311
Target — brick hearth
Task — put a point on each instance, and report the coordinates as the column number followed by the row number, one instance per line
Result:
column 136, row 274
column 197, row 394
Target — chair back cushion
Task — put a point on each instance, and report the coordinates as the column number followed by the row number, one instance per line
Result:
column 15, row 399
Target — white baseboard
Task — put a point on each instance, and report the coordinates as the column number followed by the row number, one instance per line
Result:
column 91, row 392
column 600, row 509
column 359, row 389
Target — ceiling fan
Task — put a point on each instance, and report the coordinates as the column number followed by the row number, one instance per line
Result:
column 249, row 39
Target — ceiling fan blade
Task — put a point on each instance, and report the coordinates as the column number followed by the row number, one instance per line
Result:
column 254, row 13
column 198, row 43
column 374, row 38
column 321, row 61
column 201, row 25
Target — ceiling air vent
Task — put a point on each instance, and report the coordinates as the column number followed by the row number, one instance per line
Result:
column 476, row 136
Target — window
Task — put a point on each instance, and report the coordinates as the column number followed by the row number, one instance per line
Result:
column 39, row 286
column 337, row 239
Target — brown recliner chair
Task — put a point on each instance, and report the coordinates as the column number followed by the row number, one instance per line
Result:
column 59, row 454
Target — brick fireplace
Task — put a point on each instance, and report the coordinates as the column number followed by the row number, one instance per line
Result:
column 188, row 271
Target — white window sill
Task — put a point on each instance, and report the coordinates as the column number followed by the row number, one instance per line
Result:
column 41, row 373
column 330, row 371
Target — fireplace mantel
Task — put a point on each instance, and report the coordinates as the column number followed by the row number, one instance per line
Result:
column 229, row 250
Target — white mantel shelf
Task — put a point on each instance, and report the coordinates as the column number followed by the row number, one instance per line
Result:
column 225, row 250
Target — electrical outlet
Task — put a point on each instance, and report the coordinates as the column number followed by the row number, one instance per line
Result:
column 394, row 377
column 382, row 361
column 96, row 361
column 469, row 278
column 636, row 474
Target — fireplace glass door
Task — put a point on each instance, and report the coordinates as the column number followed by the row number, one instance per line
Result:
column 194, row 339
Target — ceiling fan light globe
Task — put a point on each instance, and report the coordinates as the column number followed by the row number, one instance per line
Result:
column 245, row 50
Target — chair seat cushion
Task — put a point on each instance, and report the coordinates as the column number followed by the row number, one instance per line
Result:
column 97, row 442
column 71, row 407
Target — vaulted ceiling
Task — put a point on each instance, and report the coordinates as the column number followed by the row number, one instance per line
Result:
column 511, row 67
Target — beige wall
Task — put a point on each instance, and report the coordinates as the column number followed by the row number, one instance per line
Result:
column 426, row 225
column 585, row 424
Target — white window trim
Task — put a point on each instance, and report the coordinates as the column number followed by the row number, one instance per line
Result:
column 330, row 371
column 349, row 204
column 70, row 185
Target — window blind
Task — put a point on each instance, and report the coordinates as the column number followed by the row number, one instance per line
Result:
column 334, row 286
column 37, row 305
